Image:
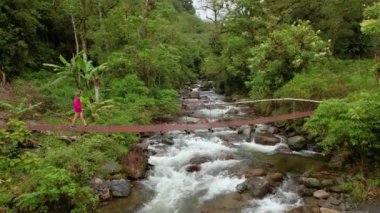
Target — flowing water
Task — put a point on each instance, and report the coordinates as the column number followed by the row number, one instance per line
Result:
column 173, row 189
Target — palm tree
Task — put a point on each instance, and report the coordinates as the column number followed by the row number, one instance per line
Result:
column 68, row 69
column 94, row 74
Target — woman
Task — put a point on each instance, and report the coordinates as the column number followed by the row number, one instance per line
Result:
column 77, row 106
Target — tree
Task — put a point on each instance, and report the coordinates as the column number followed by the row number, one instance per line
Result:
column 94, row 74
column 70, row 69
column 287, row 50
column 338, row 20
column 371, row 26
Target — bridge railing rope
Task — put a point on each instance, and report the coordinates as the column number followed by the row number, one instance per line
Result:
column 261, row 108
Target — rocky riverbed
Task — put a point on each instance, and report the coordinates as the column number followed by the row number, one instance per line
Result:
column 262, row 168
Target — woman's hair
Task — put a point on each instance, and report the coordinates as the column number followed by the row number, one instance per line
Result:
column 77, row 93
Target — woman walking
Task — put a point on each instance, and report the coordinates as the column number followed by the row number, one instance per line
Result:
column 77, row 106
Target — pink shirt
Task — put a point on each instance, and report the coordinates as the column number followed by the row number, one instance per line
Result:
column 77, row 105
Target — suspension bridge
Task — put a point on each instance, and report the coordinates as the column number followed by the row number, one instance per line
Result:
column 186, row 126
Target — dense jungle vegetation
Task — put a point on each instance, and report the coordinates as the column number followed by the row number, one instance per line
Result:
column 130, row 58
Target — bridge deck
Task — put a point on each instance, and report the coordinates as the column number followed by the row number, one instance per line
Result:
column 170, row 127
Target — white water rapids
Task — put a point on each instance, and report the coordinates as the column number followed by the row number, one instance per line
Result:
column 177, row 190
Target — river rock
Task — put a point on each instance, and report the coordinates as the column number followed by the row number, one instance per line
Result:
column 304, row 191
column 244, row 128
column 297, row 142
column 232, row 111
column 120, row 188
column 167, row 141
column 200, row 160
column 194, row 95
column 305, row 209
column 283, row 149
column 242, row 187
column 101, row 188
column 336, row 189
column 331, row 202
column 205, row 85
column 311, row 182
column 258, row 187
column 256, row 172
column 327, row 182
column 189, row 120
column 266, row 139
column 272, row 130
column 193, row 168
column 111, row 168
column 321, row 194
column 276, row 177
column 261, row 128
column 134, row 164
column 326, row 210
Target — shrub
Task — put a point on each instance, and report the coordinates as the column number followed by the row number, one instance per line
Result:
column 351, row 123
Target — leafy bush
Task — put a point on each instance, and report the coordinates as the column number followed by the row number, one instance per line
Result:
column 351, row 123
column 54, row 189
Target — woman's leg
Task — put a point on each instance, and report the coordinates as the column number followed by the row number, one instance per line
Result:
column 82, row 118
column 74, row 119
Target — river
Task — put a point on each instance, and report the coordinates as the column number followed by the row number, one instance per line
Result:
column 224, row 154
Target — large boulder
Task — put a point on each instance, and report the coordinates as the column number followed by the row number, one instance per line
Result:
column 120, row 188
column 257, row 187
column 266, row 139
column 134, row 164
column 297, row 142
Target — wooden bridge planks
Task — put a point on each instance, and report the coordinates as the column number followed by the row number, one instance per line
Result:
column 169, row 127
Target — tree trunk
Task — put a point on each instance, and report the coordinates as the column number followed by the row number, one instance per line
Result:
column 143, row 30
column 83, row 32
column 96, row 89
column 3, row 78
column 84, row 42
column 75, row 34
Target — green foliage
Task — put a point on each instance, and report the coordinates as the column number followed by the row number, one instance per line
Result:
column 20, row 109
column 10, row 138
column 51, row 188
column 287, row 51
column 351, row 123
column 339, row 22
column 94, row 151
column 166, row 101
column 334, row 79
column 371, row 25
column 360, row 187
